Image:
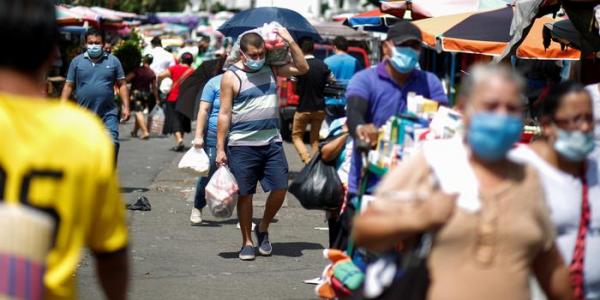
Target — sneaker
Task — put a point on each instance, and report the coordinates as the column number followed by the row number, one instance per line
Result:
column 196, row 216
column 264, row 245
column 247, row 253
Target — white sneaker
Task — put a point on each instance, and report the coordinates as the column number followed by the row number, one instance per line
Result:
column 196, row 216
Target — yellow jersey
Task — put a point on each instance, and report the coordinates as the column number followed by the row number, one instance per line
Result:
column 58, row 193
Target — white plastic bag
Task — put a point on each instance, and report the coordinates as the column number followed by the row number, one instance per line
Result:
column 195, row 161
column 278, row 53
column 157, row 120
column 221, row 193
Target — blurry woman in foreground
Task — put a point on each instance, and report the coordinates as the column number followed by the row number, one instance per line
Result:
column 570, row 177
column 492, row 228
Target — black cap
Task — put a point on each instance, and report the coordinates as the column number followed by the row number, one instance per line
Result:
column 404, row 31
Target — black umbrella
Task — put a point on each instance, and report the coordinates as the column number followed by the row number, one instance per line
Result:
column 249, row 19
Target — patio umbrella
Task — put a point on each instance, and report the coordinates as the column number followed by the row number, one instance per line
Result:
column 565, row 33
column 488, row 33
column 422, row 9
column 67, row 17
column 373, row 20
column 114, row 14
column 249, row 19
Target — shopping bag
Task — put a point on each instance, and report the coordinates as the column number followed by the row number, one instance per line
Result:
column 157, row 120
column 318, row 186
column 221, row 193
column 195, row 161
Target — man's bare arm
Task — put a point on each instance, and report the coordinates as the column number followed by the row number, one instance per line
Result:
column 228, row 84
column 113, row 273
column 124, row 93
column 66, row 91
column 298, row 66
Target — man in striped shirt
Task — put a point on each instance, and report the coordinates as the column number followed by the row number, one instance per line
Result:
column 249, row 122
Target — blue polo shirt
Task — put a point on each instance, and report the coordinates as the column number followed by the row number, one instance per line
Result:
column 385, row 99
column 94, row 82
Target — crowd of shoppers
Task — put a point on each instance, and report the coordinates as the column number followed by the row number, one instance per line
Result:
column 497, row 214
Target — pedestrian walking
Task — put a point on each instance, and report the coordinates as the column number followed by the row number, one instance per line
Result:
column 206, row 138
column 311, row 105
column 175, row 122
column 93, row 75
column 491, row 227
column 249, row 106
column 343, row 66
column 569, row 173
column 144, row 93
column 58, row 186
column 162, row 59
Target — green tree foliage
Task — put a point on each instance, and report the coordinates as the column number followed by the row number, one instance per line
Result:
column 129, row 51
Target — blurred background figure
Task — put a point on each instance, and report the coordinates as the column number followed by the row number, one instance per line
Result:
column 144, row 93
column 58, row 186
column 491, row 228
column 175, row 122
column 343, row 66
column 312, row 104
column 162, row 59
column 570, row 177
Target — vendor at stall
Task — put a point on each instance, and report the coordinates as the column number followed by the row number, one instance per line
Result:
column 376, row 94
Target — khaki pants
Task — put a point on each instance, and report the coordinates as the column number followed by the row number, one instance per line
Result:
column 301, row 119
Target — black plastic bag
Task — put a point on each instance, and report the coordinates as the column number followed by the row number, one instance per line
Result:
column 318, row 186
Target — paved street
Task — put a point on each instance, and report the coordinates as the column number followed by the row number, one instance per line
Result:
column 174, row 260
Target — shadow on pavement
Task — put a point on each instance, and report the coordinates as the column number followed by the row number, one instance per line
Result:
column 127, row 190
column 291, row 249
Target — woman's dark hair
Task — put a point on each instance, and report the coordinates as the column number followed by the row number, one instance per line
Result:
column 186, row 58
column 30, row 34
column 556, row 96
column 94, row 32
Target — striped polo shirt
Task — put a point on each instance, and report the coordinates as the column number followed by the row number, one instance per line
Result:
column 255, row 111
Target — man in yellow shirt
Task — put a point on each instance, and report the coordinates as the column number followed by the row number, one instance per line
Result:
column 58, row 188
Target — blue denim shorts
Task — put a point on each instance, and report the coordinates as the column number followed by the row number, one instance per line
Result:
column 251, row 164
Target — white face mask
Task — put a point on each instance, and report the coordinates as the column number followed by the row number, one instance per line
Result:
column 574, row 145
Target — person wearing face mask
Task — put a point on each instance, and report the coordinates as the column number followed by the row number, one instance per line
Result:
column 570, row 176
column 250, row 108
column 92, row 75
column 376, row 94
column 490, row 224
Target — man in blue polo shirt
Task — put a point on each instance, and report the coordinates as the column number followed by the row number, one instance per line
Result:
column 93, row 76
column 376, row 94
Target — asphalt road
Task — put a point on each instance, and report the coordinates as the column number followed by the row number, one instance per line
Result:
column 173, row 260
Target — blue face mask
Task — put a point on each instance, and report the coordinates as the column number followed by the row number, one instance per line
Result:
column 404, row 59
column 94, row 51
column 492, row 135
column 254, row 64
column 574, row 145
